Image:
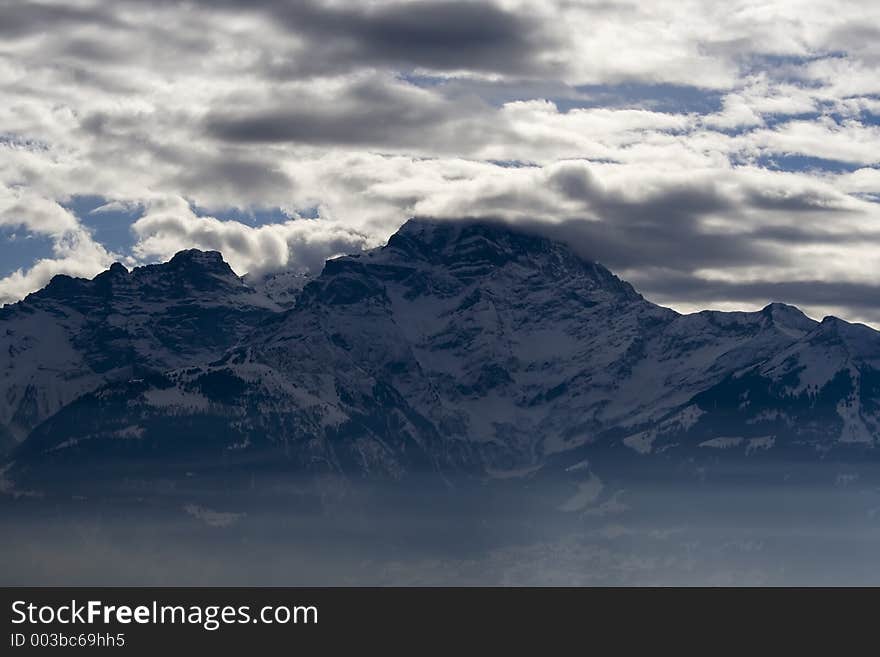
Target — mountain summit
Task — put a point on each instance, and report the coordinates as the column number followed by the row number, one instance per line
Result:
column 456, row 347
column 75, row 335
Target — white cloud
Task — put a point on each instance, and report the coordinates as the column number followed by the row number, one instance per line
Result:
column 299, row 244
column 849, row 141
column 74, row 251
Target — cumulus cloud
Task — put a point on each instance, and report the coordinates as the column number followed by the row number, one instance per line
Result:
column 845, row 141
column 74, row 250
column 298, row 244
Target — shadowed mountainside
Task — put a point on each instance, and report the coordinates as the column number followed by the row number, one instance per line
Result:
column 457, row 347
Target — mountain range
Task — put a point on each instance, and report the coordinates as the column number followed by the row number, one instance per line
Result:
column 459, row 346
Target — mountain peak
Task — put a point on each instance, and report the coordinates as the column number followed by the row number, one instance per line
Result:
column 195, row 264
column 835, row 325
column 433, row 237
column 775, row 307
column 831, row 325
column 198, row 257
column 429, row 256
column 117, row 272
column 472, row 248
column 430, row 240
column 788, row 316
column 205, row 270
column 860, row 341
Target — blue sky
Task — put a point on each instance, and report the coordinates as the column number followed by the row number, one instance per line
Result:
column 713, row 153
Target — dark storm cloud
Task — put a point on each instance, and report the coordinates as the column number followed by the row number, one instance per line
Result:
column 862, row 296
column 629, row 242
column 20, row 19
column 790, row 235
column 476, row 36
column 367, row 113
column 662, row 227
column 667, row 228
column 432, row 34
column 90, row 50
column 232, row 175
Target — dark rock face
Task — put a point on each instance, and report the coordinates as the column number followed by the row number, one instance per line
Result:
column 457, row 347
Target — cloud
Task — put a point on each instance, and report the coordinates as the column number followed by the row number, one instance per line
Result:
column 230, row 177
column 368, row 111
column 818, row 298
column 298, row 244
column 436, row 35
column 74, row 251
column 21, row 19
column 847, row 141
column 732, row 145
column 685, row 220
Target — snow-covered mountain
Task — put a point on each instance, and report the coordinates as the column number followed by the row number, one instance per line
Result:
column 75, row 335
column 282, row 287
column 819, row 393
column 456, row 347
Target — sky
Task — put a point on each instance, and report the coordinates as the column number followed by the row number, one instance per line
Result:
column 715, row 154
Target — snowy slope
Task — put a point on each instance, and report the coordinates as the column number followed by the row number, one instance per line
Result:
column 77, row 334
column 281, row 287
column 820, row 393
